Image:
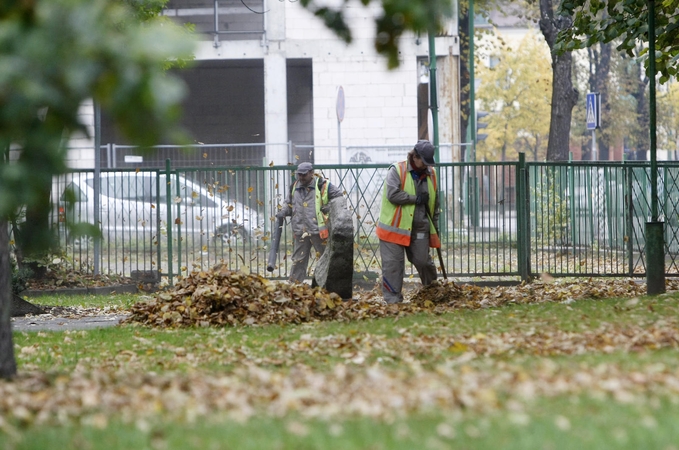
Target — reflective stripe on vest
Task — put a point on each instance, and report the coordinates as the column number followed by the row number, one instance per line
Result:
column 321, row 199
column 396, row 221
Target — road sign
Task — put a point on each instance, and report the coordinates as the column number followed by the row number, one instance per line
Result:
column 593, row 110
column 339, row 107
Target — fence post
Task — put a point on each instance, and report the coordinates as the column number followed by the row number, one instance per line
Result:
column 593, row 189
column 629, row 218
column 97, row 183
column 608, row 195
column 159, row 250
column 522, row 208
column 572, row 202
column 177, row 219
column 170, row 222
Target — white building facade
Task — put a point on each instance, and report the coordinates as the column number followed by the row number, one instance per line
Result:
column 267, row 75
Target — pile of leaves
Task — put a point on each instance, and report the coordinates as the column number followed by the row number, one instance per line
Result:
column 445, row 296
column 221, row 297
column 224, row 297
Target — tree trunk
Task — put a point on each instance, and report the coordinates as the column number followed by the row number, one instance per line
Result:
column 601, row 79
column 35, row 238
column 8, row 367
column 564, row 96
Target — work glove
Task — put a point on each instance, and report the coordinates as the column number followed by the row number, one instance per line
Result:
column 422, row 198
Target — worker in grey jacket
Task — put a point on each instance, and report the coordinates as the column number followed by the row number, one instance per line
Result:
column 307, row 205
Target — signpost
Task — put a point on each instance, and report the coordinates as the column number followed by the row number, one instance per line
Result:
column 593, row 118
column 339, row 109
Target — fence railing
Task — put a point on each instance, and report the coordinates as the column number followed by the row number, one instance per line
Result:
column 507, row 220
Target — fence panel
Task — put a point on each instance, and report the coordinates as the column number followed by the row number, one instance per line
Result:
column 668, row 208
column 584, row 219
column 225, row 215
column 128, row 216
column 578, row 219
column 670, row 197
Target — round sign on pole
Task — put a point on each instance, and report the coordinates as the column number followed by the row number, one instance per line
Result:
column 340, row 104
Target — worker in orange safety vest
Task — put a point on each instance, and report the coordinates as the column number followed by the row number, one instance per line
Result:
column 409, row 212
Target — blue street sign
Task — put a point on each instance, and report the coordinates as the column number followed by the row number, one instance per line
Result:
column 593, row 110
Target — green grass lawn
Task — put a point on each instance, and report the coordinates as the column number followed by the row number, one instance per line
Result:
column 122, row 301
column 590, row 374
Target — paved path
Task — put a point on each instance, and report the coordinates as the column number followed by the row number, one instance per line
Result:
column 48, row 322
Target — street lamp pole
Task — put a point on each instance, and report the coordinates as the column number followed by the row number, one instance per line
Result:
column 655, row 232
column 433, row 94
column 472, row 88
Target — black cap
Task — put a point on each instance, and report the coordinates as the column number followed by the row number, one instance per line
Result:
column 304, row 168
column 425, row 150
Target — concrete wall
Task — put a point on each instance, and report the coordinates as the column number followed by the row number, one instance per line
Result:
column 299, row 99
column 380, row 105
column 80, row 154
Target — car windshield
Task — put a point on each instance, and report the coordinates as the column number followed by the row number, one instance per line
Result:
column 188, row 193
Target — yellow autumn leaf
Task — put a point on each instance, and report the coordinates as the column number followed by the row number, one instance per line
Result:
column 458, row 347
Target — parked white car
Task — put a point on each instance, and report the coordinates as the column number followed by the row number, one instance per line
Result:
column 130, row 208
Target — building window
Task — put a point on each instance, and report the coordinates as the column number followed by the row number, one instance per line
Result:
column 230, row 20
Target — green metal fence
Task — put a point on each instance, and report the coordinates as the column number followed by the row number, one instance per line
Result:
column 588, row 219
column 498, row 220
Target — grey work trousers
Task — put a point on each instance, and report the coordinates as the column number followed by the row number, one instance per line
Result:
column 300, row 255
column 393, row 265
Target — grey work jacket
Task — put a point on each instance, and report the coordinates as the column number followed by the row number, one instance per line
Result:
column 301, row 206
